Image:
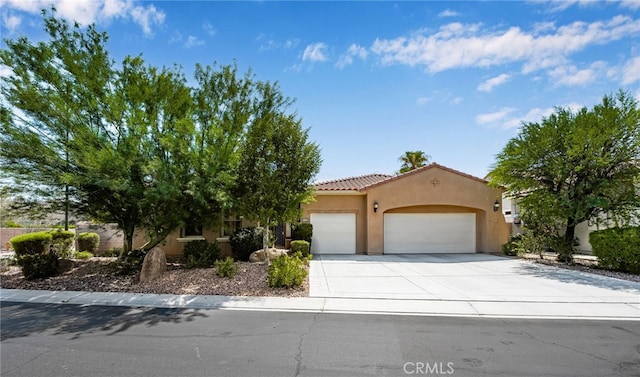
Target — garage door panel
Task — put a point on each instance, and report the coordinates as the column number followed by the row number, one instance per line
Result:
column 333, row 233
column 429, row 233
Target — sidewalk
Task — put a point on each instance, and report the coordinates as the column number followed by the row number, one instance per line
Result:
column 419, row 307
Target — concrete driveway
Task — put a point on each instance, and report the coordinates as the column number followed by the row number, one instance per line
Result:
column 462, row 277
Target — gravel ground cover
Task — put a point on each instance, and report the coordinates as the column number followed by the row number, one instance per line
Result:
column 95, row 275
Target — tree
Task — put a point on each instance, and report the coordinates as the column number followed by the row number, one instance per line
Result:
column 413, row 160
column 575, row 167
column 130, row 144
column 277, row 163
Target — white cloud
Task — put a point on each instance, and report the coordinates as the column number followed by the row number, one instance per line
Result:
column 209, row 29
column 268, row 44
column 5, row 71
column 353, row 51
column 86, row 12
column 631, row 4
column 193, row 41
column 315, row 52
column 488, row 85
column 495, row 116
column 459, row 45
column 11, row 22
column 455, row 101
column 536, row 115
column 421, row 101
column 448, row 13
column 631, row 71
column 570, row 75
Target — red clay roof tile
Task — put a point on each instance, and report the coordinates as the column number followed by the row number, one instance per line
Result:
column 351, row 183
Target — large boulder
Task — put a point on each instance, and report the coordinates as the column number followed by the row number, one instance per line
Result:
column 154, row 265
column 259, row 256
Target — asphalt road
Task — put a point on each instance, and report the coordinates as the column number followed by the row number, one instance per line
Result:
column 73, row 340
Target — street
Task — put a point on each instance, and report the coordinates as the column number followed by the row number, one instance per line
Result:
column 85, row 340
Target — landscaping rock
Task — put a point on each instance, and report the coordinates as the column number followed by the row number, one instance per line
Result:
column 154, row 265
column 259, row 256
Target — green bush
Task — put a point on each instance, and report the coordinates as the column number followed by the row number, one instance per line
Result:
column 200, row 254
column 513, row 246
column 62, row 241
column 245, row 241
column 617, row 248
column 226, row 267
column 37, row 266
column 113, row 252
column 84, row 255
column 11, row 224
column 31, row 243
column 88, row 241
column 131, row 262
column 287, row 271
column 302, row 231
column 300, row 246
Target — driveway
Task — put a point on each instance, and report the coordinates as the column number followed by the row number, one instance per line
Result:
column 461, row 277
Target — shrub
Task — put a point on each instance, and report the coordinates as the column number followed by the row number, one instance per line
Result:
column 226, row 267
column 513, row 246
column 62, row 242
column 113, row 252
column 131, row 262
column 88, row 241
column 84, row 255
column 302, row 231
column 300, row 246
column 200, row 254
column 245, row 241
column 11, row 224
column 617, row 248
column 287, row 271
column 31, row 243
column 36, row 266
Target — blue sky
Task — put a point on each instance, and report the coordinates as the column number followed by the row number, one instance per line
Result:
column 375, row 79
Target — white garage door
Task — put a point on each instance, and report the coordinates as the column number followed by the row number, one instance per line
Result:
column 333, row 233
column 422, row 233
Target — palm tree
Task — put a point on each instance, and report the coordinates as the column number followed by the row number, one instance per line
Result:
column 413, row 160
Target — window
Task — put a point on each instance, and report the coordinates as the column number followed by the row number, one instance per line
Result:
column 192, row 230
column 230, row 224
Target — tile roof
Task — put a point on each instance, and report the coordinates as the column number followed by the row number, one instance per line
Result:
column 351, row 183
column 367, row 181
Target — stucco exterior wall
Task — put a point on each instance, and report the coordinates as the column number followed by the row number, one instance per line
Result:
column 346, row 203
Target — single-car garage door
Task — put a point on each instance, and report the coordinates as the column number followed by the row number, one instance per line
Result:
column 422, row 233
column 333, row 233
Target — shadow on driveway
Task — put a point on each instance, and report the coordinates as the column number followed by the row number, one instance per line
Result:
column 577, row 277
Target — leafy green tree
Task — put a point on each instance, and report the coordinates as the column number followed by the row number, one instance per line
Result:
column 412, row 160
column 575, row 166
column 277, row 163
column 131, row 144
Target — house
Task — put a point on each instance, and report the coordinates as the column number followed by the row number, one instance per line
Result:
column 433, row 209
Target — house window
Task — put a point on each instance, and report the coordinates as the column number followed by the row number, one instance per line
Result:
column 230, row 225
column 192, row 230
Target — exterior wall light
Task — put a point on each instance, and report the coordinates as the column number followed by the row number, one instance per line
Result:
column 375, row 206
column 496, row 206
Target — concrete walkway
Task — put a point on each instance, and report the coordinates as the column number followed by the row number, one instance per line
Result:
column 427, row 285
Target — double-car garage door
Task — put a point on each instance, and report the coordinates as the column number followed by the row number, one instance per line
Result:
column 404, row 233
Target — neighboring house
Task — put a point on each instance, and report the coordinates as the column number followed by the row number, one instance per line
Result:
column 433, row 209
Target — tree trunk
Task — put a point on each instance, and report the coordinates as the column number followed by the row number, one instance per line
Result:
column 128, row 231
column 565, row 252
column 265, row 241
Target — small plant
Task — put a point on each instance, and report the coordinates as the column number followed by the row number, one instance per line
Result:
column 84, row 255
column 113, row 252
column 300, row 246
column 131, row 262
column 37, row 266
column 200, row 254
column 288, row 271
column 245, row 241
column 226, row 267
column 302, row 231
column 88, row 241
column 617, row 248
column 513, row 246
column 62, row 242
column 11, row 224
